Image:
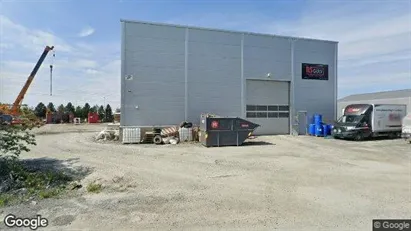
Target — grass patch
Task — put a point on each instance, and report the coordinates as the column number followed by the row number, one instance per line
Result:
column 48, row 193
column 6, row 199
column 19, row 183
column 94, row 188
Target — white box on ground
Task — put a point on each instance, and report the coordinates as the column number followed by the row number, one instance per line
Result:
column 186, row 134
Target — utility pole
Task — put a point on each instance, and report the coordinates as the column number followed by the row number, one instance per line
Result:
column 104, row 101
column 51, row 80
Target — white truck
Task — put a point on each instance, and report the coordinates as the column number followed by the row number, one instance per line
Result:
column 406, row 128
column 360, row 121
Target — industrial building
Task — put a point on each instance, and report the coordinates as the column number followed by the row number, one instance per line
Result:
column 385, row 97
column 174, row 73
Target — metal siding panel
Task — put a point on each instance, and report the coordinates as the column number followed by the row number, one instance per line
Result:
column 258, row 69
column 335, row 79
column 264, row 54
column 155, row 60
column 243, row 82
column 124, row 118
column 315, row 47
column 154, row 55
column 186, row 74
column 214, row 74
column 221, row 30
column 315, row 96
column 275, row 54
column 215, row 37
column 141, row 30
column 270, row 42
column 163, row 46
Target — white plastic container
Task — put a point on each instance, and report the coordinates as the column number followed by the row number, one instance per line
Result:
column 185, row 134
column 131, row 135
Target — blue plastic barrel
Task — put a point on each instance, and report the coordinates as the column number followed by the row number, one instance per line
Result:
column 318, row 119
column 326, row 129
column 311, row 129
column 319, row 130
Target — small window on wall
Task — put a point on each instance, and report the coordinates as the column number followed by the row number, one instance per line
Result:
column 283, row 108
column 283, row 115
column 273, row 108
column 267, row 111
column 261, row 108
column 272, row 114
column 251, row 108
column 251, row 115
column 261, row 114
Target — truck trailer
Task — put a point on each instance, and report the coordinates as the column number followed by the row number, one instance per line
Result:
column 361, row 121
column 406, row 128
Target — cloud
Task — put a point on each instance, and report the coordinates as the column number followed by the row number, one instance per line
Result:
column 82, row 72
column 6, row 46
column 15, row 34
column 372, row 37
column 403, row 78
column 86, row 32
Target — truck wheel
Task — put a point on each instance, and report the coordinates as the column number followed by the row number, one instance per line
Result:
column 359, row 137
column 157, row 139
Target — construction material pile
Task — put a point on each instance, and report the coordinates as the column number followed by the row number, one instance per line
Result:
column 185, row 132
column 109, row 133
column 174, row 135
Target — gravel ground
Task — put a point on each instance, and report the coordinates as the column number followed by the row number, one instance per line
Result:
column 274, row 182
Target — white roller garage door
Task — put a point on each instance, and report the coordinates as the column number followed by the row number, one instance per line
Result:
column 267, row 104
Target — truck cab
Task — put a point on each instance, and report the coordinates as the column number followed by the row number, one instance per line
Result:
column 355, row 123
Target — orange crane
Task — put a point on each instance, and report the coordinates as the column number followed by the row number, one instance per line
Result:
column 15, row 108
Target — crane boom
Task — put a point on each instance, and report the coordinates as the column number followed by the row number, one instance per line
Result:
column 20, row 97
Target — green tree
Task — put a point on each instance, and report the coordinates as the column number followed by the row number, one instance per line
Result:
column 109, row 114
column 94, row 108
column 78, row 112
column 51, row 107
column 28, row 114
column 101, row 112
column 86, row 110
column 15, row 139
column 70, row 108
column 61, row 108
column 40, row 110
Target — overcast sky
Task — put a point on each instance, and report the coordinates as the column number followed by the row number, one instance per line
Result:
column 374, row 40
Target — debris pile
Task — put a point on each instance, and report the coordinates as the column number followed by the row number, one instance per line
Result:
column 108, row 134
column 171, row 135
column 171, row 140
column 185, row 132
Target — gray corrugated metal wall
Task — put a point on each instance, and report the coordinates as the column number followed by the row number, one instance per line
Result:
column 316, row 96
column 155, row 56
column 214, row 73
column 180, row 72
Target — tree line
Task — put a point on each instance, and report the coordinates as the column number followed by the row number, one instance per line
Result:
column 105, row 113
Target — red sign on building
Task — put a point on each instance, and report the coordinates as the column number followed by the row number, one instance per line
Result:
column 214, row 124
